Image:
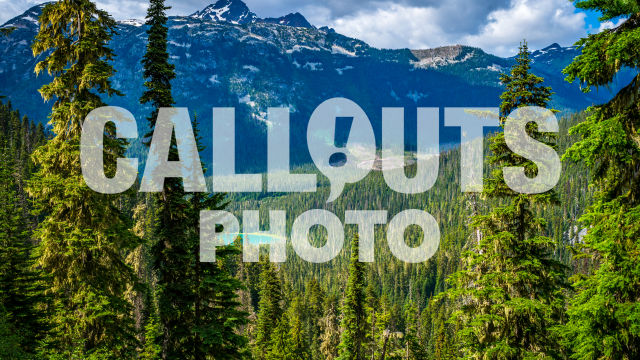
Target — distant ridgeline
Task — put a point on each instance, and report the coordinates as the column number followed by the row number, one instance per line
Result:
column 226, row 56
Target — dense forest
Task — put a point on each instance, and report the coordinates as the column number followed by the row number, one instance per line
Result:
column 85, row 275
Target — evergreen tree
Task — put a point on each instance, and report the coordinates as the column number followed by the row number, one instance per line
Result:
column 330, row 329
column 297, row 335
column 218, row 317
column 269, row 309
column 151, row 350
column 603, row 315
column 10, row 340
column 314, row 298
column 157, row 69
column 281, row 346
column 172, row 251
column 510, row 287
column 354, row 319
column 83, row 236
column 414, row 344
column 20, row 285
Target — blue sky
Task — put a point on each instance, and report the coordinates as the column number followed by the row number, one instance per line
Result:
column 494, row 25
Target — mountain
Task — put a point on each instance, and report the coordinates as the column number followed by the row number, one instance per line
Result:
column 237, row 12
column 225, row 59
column 232, row 11
column 292, row 19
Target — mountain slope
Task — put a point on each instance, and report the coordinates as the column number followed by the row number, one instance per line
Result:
column 232, row 58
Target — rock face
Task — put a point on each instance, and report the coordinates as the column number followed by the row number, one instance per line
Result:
column 293, row 19
column 253, row 65
column 442, row 56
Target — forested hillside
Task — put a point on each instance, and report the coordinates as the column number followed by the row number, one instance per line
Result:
column 86, row 275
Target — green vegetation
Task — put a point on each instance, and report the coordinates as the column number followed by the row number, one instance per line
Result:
column 604, row 313
column 509, row 288
column 91, row 276
column 83, row 235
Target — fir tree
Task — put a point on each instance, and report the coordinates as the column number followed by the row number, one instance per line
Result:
column 314, row 297
column 603, row 315
column 354, row 319
column 157, row 69
column 281, row 345
column 10, row 340
column 330, row 329
column 218, row 317
column 269, row 308
column 217, row 313
column 83, row 235
column 172, row 251
column 20, row 285
column 151, row 349
column 414, row 344
column 297, row 335
column 511, row 288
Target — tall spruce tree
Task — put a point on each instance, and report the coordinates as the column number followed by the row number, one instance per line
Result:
column 218, row 317
column 297, row 335
column 510, row 288
column 354, row 318
column 19, row 283
column 83, row 236
column 269, row 309
column 314, row 310
column 603, row 315
column 281, row 345
column 172, row 251
column 330, row 329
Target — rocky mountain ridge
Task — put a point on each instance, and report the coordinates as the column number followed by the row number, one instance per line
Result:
column 229, row 58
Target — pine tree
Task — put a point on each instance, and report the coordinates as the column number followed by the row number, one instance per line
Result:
column 20, row 285
column 218, row 317
column 603, row 315
column 281, row 345
column 172, row 252
column 151, row 349
column 354, row 319
column 83, row 235
column 510, row 288
column 269, row 308
column 414, row 344
column 10, row 340
column 314, row 309
column 330, row 329
column 297, row 334
column 157, row 69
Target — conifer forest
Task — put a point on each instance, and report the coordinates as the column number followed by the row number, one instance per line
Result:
column 90, row 275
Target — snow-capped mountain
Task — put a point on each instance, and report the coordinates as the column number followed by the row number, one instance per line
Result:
column 227, row 59
column 232, row 11
column 237, row 12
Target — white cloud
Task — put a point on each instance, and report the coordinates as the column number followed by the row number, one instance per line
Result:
column 494, row 25
column 541, row 22
column 11, row 8
column 605, row 25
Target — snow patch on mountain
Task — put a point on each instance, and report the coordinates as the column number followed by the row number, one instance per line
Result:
column 251, row 68
column 312, row 66
column 341, row 70
column 336, row 49
column 132, row 22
